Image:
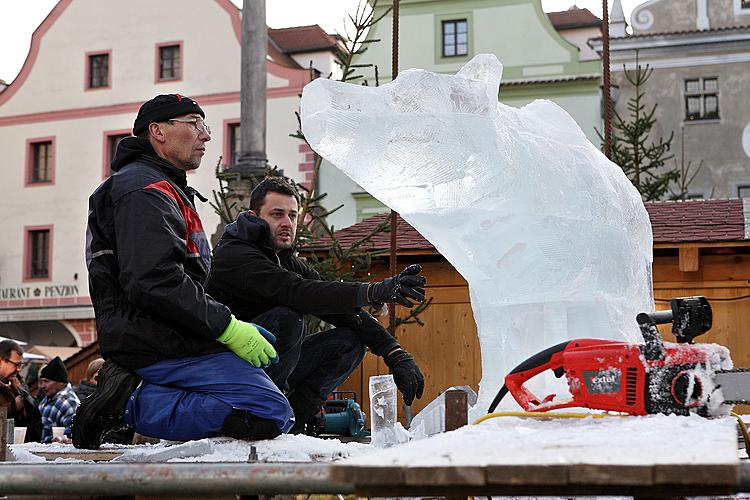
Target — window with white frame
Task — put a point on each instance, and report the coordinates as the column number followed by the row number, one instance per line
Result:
column 701, row 99
column 743, row 191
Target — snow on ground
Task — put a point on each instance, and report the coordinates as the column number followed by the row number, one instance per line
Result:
column 656, row 439
column 285, row 448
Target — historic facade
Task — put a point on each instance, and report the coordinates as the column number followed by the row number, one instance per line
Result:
column 543, row 58
column 699, row 51
column 90, row 65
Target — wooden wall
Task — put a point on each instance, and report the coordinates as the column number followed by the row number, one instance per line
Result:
column 447, row 347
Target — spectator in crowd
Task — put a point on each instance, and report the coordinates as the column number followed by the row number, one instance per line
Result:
column 22, row 407
column 60, row 402
column 88, row 385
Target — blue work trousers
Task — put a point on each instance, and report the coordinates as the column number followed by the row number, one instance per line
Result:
column 189, row 398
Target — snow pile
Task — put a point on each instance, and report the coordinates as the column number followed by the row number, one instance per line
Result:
column 552, row 238
column 285, row 448
column 655, row 439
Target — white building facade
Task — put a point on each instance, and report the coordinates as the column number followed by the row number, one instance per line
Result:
column 90, row 66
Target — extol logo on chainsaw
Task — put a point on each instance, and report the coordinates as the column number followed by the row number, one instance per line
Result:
column 602, row 381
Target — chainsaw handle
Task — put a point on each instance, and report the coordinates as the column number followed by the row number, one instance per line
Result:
column 537, row 363
column 541, row 361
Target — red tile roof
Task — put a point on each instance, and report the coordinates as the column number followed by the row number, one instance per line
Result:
column 299, row 39
column 697, row 221
column 704, row 221
column 574, row 18
column 407, row 237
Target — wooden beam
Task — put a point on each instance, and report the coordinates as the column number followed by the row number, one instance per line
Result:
column 3, row 433
column 690, row 257
column 456, row 410
column 715, row 244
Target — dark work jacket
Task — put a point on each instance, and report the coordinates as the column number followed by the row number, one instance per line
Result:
column 250, row 278
column 148, row 259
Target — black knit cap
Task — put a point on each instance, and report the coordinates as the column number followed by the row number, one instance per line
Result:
column 55, row 370
column 162, row 108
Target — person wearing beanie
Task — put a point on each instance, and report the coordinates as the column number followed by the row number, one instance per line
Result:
column 59, row 403
column 178, row 365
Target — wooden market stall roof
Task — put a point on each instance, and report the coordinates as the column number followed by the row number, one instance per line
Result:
column 672, row 222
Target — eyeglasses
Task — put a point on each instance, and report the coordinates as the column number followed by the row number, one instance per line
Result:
column 17, row 364
column 198, row 124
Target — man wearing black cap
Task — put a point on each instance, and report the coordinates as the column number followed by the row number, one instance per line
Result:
column 60, row 402
column 178, row 365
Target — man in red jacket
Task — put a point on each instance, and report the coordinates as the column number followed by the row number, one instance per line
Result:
column 256, row 274
column 178, row 365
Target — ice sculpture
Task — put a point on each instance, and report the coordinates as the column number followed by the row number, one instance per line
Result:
column 551, row 236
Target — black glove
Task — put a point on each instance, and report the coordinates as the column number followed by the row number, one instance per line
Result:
column 406, row 374
column 399, row 289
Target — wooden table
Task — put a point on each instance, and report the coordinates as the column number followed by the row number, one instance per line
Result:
column 575, row 479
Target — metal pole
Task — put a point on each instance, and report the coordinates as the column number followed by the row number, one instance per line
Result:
column 252, row 158
column 173, row 479
column 394, row 215
column 606, row 82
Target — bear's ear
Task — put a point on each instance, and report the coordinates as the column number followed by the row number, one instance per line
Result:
column 484, row 68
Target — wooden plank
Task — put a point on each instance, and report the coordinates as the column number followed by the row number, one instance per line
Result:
column 3, row 434
column 689, row 259
column 713, row 268
column 547, row 475
column 717, row 244
column 368, row 475
column 94, row 456
column 699, row 475
column 456, row 410
column 700, row 285
column 445, row 476
column 621, row 475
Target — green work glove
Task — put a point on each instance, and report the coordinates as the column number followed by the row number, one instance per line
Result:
column 247, row 342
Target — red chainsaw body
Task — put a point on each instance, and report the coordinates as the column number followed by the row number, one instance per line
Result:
column 609, row 375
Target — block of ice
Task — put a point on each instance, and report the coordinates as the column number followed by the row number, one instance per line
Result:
column 552, row 238
column 385, row 428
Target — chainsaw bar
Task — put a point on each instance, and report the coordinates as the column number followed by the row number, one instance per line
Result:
column 735, row 385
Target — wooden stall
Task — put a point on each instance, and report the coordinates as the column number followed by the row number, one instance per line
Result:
column 700, row 248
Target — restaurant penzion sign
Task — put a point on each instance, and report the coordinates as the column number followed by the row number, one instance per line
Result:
column 38, row 292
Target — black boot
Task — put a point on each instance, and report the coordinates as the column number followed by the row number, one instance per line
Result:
column 102, row 412
column 305, row 403
column 241, row 425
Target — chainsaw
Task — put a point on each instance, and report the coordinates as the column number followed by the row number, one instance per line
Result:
column 639, row 379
